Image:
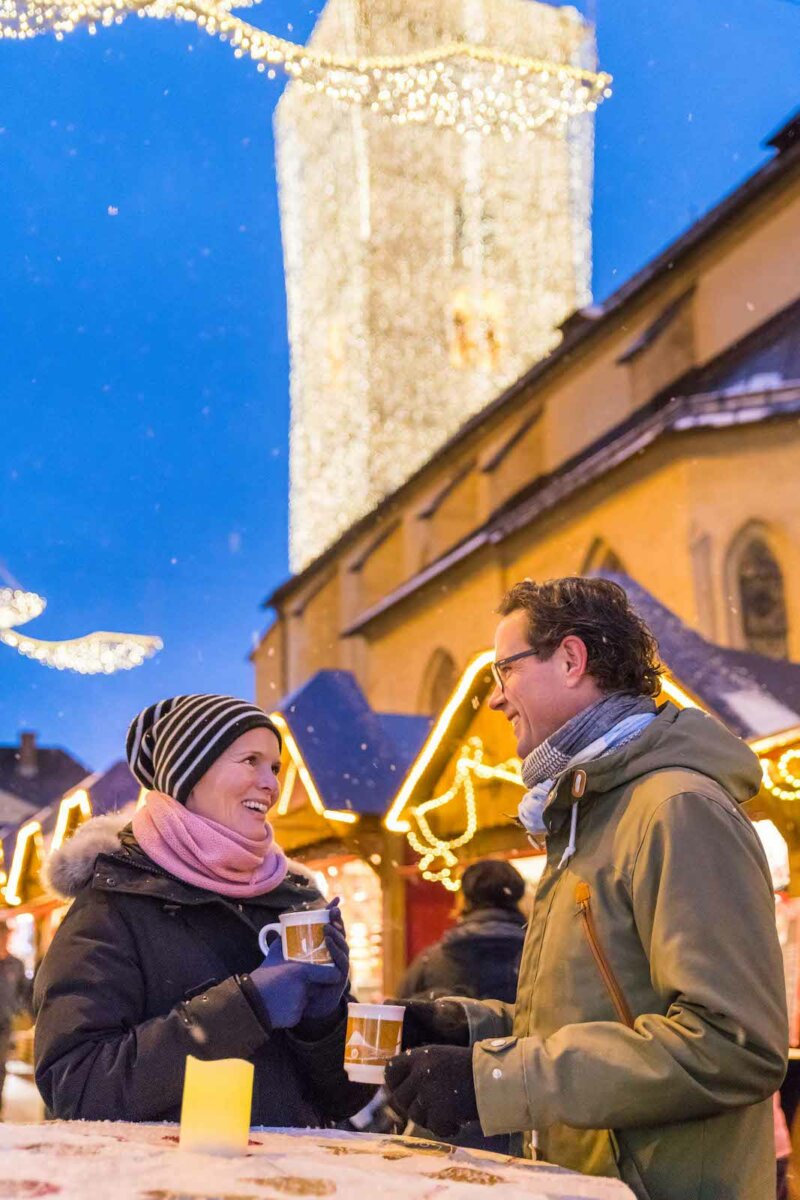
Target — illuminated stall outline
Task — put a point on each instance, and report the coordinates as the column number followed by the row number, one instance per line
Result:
column 297, row 767
column 30, row 837
column 414, row 800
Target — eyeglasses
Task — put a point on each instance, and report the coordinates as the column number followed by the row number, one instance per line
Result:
column 499, row 667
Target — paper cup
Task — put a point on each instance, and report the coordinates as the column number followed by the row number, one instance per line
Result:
column 302, row 936
column 374, row 1032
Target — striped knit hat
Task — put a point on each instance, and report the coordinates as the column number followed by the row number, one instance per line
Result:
column 172, row 744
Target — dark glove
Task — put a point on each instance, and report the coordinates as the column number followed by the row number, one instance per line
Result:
column 434, row 1087
column 283, row 987
column 433, row 1023
column 325, row 996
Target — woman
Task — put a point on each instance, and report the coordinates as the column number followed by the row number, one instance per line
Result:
column 479, row 956
column 158, row 955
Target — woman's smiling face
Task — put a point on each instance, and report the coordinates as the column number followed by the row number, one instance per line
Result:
column 242, row 785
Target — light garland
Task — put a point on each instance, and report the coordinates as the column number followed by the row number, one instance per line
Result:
column 17, row 607
column 781, row 778
column 93, row 654
column 470, row 764
column 458, row 84
column 425, row 271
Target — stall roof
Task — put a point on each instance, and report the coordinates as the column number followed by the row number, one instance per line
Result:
column 356, row 756
column 754, row 695
column 53, row 773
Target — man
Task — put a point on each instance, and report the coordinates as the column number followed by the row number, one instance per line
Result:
column 14, row 998
column 649, row 1030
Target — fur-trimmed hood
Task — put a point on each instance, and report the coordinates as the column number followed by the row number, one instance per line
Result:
column 70, row 868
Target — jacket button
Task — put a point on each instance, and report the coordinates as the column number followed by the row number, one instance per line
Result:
column 110, row 880
column 498, row 1043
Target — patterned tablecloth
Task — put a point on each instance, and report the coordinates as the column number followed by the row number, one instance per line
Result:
column 88, row 1160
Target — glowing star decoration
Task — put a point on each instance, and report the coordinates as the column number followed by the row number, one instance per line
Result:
column 93, row 654
column 470, row 767
column 459, row 83
column 427, row 267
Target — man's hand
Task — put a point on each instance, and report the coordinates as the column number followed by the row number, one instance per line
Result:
column 433, row 1022
column 434, row 1088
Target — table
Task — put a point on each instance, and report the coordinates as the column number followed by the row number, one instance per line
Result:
column 108, row 1160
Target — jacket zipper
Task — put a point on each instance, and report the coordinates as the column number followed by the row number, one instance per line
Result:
column 583, row 899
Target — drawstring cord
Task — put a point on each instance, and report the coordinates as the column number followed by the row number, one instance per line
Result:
column 573, row 833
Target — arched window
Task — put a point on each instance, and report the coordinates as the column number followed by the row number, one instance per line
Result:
column 757, row 594
column 441, row 676
column 600, row 557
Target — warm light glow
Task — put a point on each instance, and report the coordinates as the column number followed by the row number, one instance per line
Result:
column 330, row 814
column 782, row 779
column 216, row 1106
column 394, row 820
column 76, row 801
column 287, row 788
column 776, row 741
column 678, row 695
column 29, row 833
column 462, row 85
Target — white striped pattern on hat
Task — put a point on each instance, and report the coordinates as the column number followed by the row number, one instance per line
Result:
column 172, row 744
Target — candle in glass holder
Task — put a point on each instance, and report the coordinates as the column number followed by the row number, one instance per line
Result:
column 217, row 1100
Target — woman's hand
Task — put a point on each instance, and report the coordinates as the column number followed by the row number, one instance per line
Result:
column 284, row 987
column 325, row 993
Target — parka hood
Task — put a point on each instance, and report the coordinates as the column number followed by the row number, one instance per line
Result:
column 489, row 930
column 686, row 739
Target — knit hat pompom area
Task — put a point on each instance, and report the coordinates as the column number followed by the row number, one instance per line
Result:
column 172, row 744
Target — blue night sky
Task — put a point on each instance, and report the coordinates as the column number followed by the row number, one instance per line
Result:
column 143, row 355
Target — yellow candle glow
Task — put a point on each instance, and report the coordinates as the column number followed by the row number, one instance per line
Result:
column 217, row 1099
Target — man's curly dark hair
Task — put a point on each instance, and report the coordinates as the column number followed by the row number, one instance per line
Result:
column 622, row 652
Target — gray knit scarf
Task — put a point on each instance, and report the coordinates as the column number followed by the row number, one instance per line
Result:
column 605, row 726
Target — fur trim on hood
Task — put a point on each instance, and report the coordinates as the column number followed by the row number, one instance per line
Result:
column 71, row 867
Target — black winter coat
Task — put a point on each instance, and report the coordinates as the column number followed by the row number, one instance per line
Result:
column 478, row 957
column 144, row 970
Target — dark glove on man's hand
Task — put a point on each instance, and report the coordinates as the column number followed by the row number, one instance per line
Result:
column 324, row 997
column 433, row 1023
column 434, row 1087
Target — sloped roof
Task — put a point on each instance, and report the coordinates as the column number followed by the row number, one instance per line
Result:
column 56, row 772
column 356, row 756
column 754, row 695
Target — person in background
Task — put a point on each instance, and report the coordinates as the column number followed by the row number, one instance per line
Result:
column 158, row 956
column 479, row 956
column 14, row 999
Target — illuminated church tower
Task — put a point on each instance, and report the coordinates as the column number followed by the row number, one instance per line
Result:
column 426, row 269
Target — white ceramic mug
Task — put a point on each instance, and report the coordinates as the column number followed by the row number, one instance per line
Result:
column 302, row 936
column 374, row 1035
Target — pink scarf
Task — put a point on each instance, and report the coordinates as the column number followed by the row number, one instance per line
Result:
column 204, row 853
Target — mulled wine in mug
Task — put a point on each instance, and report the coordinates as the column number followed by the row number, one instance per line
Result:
column 302, row 936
